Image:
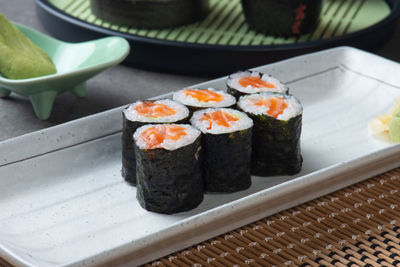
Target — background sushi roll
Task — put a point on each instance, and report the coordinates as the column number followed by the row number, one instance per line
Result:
column 226, row 142
column 196, row 98
column 138, row 114
column 252, row 82
column 169, row 177
column 282, row 17
column 276, row 133
column 150, row 13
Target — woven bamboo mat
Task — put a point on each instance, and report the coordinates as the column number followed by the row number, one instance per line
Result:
column 225, row 23
column 356, row 226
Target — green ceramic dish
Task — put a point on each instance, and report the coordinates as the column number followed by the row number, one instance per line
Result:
column 75, row 63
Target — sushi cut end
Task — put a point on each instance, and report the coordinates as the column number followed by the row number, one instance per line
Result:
column 220, row 120
column 219, row 117
column 204, row 95
column 278, row 106
column 159, row 111
column 256, row 82
column 167, row 136
column 151, row 109
column 154, row 137
column 252, row 82
column 275, row 106
column 204, row 98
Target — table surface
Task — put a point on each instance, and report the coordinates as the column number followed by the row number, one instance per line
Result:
column 115, row 87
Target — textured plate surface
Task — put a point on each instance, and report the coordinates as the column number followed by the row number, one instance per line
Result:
column 63, row 201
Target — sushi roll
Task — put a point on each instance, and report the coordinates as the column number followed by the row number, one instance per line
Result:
column 150, row 13
column 226, row 143
column 252, row 82
column 195, row 98
column 145, row 112
column 282, row 17
column 169, row 177
column 276, row 134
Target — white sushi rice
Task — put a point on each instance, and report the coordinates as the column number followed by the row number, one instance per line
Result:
column 233, row 82
column 243, row 123
column 180, row 96
column 181, row 112
column 294, row 108
column 191, row 135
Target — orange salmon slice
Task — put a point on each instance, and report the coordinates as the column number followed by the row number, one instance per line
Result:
column 255, row 81
column 155, row 136
column 150, row 109
column 219, row 117
column 276, row 106
column 204, row 95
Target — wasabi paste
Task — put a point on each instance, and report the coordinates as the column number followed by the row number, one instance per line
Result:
column 20, row 58
column 394, row 126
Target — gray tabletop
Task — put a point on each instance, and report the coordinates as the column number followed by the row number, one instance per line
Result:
column 115, row 87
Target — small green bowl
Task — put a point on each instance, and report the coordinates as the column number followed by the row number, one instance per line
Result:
column 75, row 63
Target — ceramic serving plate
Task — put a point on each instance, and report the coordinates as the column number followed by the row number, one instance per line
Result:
column 63, row 201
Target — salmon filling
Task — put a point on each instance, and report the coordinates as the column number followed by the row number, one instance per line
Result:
column 204, row 95
column 219, row 117
column 255, row 81
column 276, row 106
column 155, row 136
column 150, row 109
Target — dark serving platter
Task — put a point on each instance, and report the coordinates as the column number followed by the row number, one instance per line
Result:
column 223, row 42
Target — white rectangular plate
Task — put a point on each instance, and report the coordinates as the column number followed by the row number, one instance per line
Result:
column 63, row 201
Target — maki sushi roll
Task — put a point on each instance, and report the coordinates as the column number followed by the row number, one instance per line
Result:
column 226, row 141
column 169, row 178
column 145, row 112
column 196, row 99
column 276, row 134
column 252, row 82
column 282, row 17
column 150, row 13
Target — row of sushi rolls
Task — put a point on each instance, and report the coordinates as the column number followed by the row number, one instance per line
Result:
column 205, row 140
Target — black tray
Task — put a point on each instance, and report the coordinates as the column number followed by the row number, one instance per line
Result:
column 207, row 58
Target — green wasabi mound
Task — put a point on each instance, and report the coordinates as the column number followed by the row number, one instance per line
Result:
column 20, row 58
column 394, row 126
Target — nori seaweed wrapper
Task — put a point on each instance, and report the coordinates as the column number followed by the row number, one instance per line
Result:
column 282, row 17
column 227, row 161
column 150, row 13
column 276, row 145
column 128, row 170
column 236, row 93
column 170, row 181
